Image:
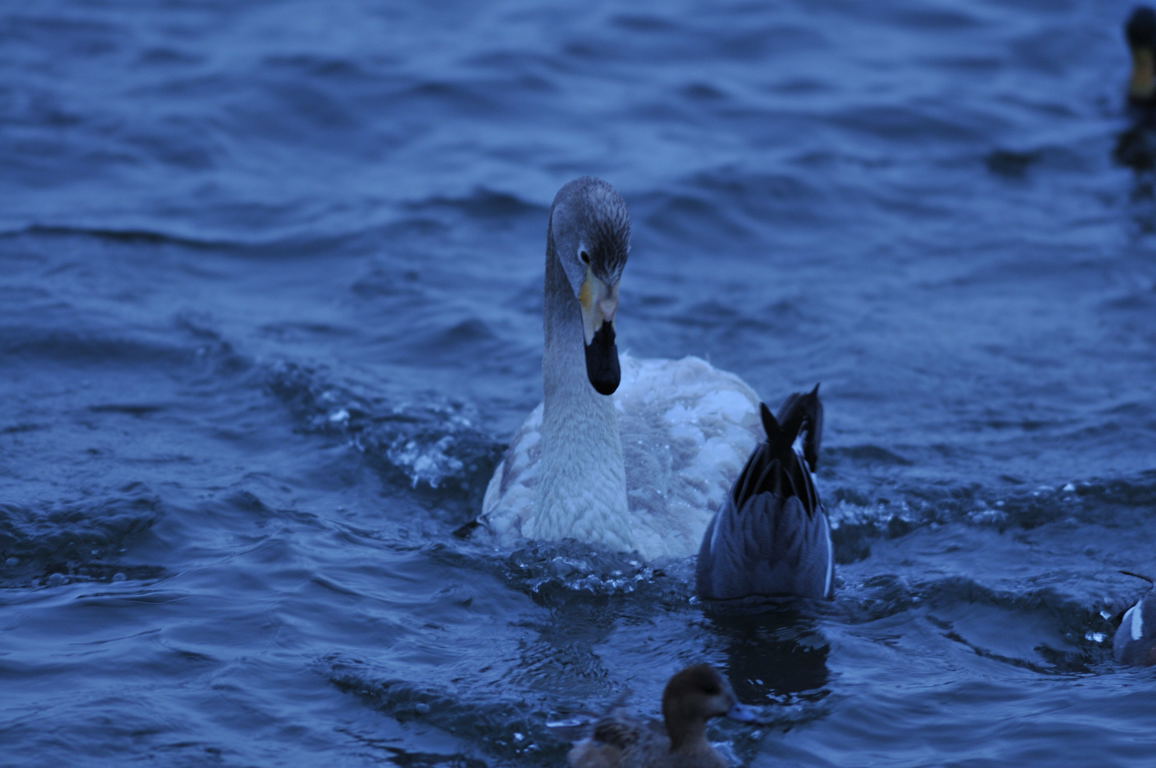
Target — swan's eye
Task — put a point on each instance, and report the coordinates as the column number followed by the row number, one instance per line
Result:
column 584, row 256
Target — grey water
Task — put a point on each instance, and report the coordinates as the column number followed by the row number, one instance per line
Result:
column 270, row 310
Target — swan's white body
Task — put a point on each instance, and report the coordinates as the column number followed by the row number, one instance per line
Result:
column 636, row 459
column 685, row 429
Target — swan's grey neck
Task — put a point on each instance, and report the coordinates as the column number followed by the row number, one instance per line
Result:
column 582, row 482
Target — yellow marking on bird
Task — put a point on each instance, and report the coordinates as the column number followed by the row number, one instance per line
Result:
column 586, row 295
column 1143, row 83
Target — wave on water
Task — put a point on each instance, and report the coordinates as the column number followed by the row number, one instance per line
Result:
column 857, row 517
column 432, row 445
column 550, row 571
column 1041, row 629
column 482, row 202
column 271, row 242
column 513, row 726
column 125, row 235
column 57, row 543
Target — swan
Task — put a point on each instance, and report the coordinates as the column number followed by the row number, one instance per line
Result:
column 630, row 455
column 771, row 535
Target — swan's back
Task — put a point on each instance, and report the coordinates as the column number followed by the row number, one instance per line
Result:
column 686, row 430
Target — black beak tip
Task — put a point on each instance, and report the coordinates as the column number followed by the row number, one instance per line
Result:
column 602, row 361
column 607, row 385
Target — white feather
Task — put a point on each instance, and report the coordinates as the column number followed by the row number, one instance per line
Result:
column 686, row 431
column 1136, row 612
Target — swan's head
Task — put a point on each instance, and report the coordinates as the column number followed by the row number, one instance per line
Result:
column 590, row 237
column 1140, row 32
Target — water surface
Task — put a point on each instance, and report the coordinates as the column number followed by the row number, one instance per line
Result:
column 272, row 309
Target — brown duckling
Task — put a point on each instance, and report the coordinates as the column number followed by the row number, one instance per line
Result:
column 691, row 698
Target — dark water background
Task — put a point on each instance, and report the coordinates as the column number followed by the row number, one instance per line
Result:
column 270, row 296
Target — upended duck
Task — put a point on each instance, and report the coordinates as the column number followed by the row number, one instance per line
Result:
column 1140, row 34
column 691, row 698
column 771, row 535
column 1135, row 639
column 627, row 454
column 1136, row 144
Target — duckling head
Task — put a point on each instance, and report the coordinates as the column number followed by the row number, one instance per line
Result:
column 694, row 696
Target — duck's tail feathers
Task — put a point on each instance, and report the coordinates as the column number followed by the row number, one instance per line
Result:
column 771, row 536
column 800, row 413
column 774, row 466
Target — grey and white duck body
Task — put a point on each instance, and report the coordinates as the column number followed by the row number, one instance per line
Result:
column 1135, row 639
column 691, row 698
column 771, row 536
column 630, row 455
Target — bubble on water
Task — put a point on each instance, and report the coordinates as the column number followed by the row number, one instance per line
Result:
column 424, row 462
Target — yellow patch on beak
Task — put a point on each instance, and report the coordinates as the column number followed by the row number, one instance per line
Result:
column 1143, row 82
column 599, row 304
column 586, row 294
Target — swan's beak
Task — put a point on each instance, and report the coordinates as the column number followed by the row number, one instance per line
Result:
column 1143, row 82
column 599, row 303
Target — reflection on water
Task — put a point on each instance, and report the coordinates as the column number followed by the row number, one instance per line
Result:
column 775, row 650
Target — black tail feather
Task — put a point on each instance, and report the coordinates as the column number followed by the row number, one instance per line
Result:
column 773, row 466
column 799, row 413
column 770, row 423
